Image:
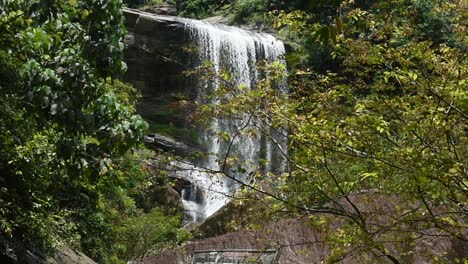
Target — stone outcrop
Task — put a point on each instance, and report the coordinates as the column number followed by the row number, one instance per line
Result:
column 165, row 198
column 157, row 56
column 164, row 9
column 298, row 241
column 215, row 225
column 62, row 255
column 170, row 145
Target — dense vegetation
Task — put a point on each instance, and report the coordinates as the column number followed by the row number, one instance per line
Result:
column 377, row 105
column 140, row 3
column 69, row 169
column 377, row 110
column 240, row 12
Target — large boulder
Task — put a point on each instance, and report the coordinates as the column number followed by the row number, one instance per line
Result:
column 298, row 241
column 169, row 144
column 165, row 198
column 61, row 255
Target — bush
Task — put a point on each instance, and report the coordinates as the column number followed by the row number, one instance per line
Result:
column 149, row 233
column 138, row 3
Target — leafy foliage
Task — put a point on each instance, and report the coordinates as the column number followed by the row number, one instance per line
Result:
column 385, row 119
column 241, row 12
column 150, row 233
column 68, row 128
column 237, row 11
column 138, row 3
column 200, row 8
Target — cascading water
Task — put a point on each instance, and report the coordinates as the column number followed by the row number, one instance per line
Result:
column 237, row 51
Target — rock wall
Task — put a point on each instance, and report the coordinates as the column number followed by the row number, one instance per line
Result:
column 157, row 56
column 298, row 242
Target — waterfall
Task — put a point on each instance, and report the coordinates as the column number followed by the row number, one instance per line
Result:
column 237, row 51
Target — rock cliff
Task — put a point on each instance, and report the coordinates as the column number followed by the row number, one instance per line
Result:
column 157, row 56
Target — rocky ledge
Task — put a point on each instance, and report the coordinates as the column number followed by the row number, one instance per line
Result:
column 170, row 145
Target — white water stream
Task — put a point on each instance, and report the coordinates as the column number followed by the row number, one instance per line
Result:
column 237, row 51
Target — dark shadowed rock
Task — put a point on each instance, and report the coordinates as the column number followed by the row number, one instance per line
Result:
column 180, row 184
column 165, row 198
column 157, row 56
column 62, row 255
column 215, row 225
column 168, row 144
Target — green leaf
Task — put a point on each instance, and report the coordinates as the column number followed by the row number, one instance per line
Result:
column 413, row 76
column 339, row 24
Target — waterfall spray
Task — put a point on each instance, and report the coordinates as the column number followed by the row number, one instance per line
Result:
column 237, row 51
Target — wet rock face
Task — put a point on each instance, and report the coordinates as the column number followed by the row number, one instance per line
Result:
column 159, row 50
column 156, row 57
